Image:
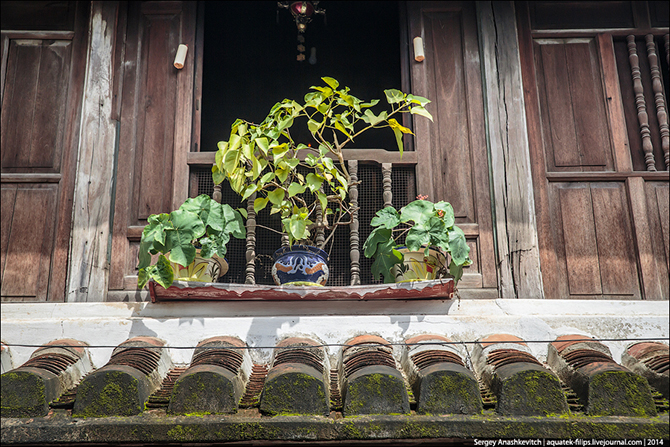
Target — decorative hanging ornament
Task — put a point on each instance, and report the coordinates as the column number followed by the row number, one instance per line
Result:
column 302, row 13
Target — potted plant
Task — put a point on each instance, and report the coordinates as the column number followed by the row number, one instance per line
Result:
column 306, row 184
column 429, row 230
column 191, row 236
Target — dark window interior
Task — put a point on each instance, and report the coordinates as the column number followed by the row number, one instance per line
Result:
column 249, row 61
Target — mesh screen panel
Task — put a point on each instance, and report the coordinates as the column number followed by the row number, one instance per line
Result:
column 370, row 199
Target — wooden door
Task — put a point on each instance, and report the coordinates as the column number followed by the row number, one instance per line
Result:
column 453, row 163
column 600, row 220
column 155, row 126
column 42, row 78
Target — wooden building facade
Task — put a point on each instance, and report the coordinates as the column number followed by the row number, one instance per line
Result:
column 550, row 136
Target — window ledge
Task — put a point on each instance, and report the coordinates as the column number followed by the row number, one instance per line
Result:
column 199, row 291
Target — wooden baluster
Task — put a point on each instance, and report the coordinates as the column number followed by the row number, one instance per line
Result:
column 319, row 237
column 216, row 195
column 642, row 116
column 386, row 179
column 667, row 48
column 658, row 97
column 354, row 242
column 250, row 274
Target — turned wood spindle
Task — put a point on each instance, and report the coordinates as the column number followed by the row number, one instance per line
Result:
column 250, row 272
column 354, row 247
column 386, row 179
column 216, row 195
column 657, row 87
column 642, row 116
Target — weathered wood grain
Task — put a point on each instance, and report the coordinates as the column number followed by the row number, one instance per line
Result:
column 518, row 251
column 89, row 266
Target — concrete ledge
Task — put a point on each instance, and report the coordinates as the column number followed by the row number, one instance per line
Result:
column 158, row 429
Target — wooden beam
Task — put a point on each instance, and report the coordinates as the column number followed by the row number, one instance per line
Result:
column 88, row 266
column 516, row 229
column 378, row 156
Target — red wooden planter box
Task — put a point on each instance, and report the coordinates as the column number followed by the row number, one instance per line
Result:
column 197, row 291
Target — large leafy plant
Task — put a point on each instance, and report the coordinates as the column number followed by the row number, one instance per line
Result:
column 199, row 221
column 424, row 224
column 263, row 159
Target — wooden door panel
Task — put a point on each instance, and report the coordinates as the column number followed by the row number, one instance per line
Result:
column 42, row 77
column 658, row 208
column 579, row 239
column 158, row 97
column 37, row 78
column 574, row 119
column 452, row 149
column 152, row 148
column 28, row 229
column 594, row 243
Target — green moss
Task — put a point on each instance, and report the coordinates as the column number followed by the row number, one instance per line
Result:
column 445, row 392
column 201, row 393
column 620, row 393
column 294, row 393
column 531, row 393
column 188, row 433
column 23, row 395
column 376, row 393
column 118, row 396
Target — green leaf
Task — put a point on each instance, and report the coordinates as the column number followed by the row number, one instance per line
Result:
column 230, row 161
column 276, row 196
column 217, row 176
column 331, row 82
column 283, row 171
column 267, row 177
column 314, row 182
column 417, row 100
column 249, row 190
column 419, row 110
column 323, row 200
column 418, row 211
column 296, row 188
column 292, row 162
column 280, row 150
column 417, row 236
column 386, row 217
column 448, row 213
column 187, row 227
column 396, row 125
column 370, row 118
column 385, row 259
column 458, row 247
column 340, row 127
column 394, row 96
column 456, row 271
column 398, row 139
column 376, row 237
column 313, row 126
column 262, row 144
column 161, row 273
column 260, row 203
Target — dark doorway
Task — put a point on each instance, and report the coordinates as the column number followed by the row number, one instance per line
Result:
column 249, row 61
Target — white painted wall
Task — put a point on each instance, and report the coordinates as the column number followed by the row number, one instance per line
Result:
column 263, row 324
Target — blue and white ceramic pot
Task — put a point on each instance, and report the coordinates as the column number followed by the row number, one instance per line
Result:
column 300, row 264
